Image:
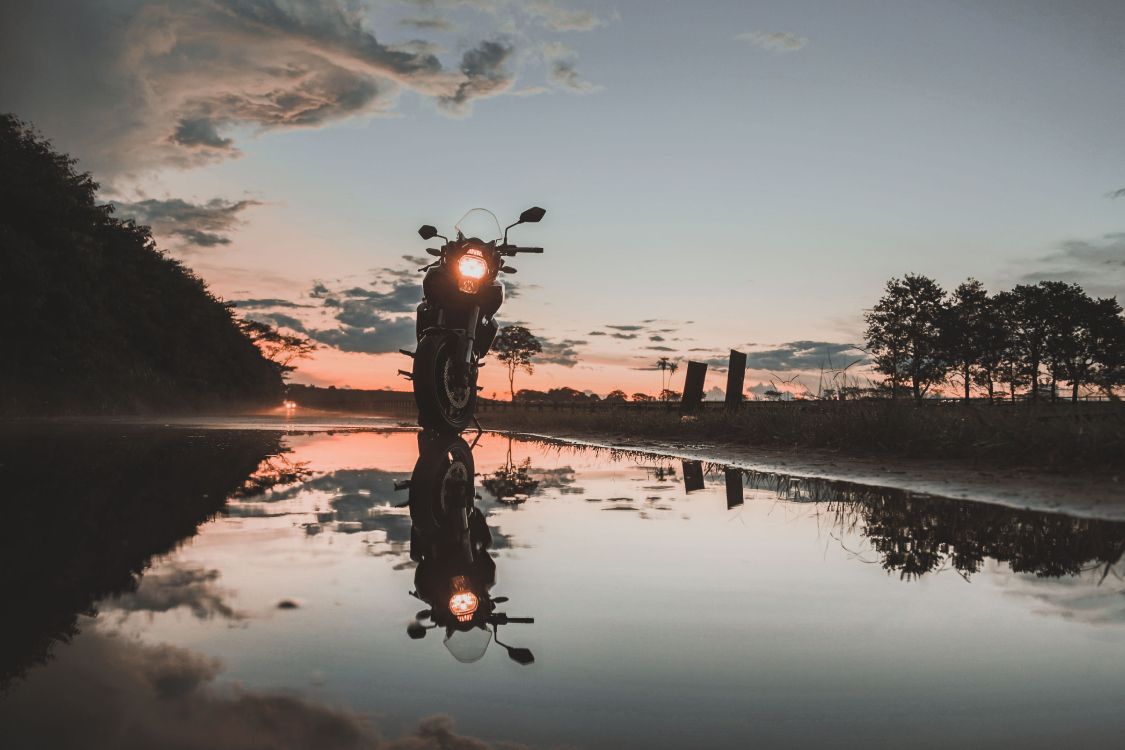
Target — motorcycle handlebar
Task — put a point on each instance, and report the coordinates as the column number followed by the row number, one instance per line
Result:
column 513, row 249
column 524, row 620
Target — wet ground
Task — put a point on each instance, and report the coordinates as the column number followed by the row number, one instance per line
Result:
column 177, row 586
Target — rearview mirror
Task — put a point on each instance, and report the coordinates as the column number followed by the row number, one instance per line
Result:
column 416, row 630
column 521, row 656
column 532, row 215
column 427, row 232
column 433, row 251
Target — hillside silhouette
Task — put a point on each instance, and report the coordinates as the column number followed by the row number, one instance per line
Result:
column 93, row 317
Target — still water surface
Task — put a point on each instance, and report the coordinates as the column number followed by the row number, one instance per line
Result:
column 175, row 587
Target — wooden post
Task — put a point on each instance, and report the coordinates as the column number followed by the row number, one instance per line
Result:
column 693, row 387
column 734, row 486
column 736, row 377
column 693, row 476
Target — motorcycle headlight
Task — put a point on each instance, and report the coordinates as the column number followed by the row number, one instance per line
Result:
column 463, row 604
column 472, row 265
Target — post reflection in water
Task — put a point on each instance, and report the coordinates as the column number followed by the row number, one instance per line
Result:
column 450, row 541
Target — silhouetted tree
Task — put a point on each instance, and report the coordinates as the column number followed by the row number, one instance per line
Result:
column 1108, row 333
column 672, row 367
column 915, row 334
column 663, row 364
column 905, row 334
column 965, row 327
column 515, row 346
column 616, row 396
column 641, row 398
column 1029, row 320
column 1070, row 346
column 992, row 345
column 279, row 348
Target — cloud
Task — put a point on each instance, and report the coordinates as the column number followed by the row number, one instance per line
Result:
column 280, row 320
column 375, row 319
column 380, row 336
column 485, row 74
column 774, row 41
column 253, row 304
column 1098, row 265
column 176, row 585
column 803, row 355
column 655, row 337
column 660, row 348
column 558, row 18
column 150, row 696
column 140, row 85
column 550, row 14
column 559, row 352
column 623, row 335
column 195, row 224
column 1092, row 597
column 1120, row 193
column 200, row 132
column 431, row 23
column 563, row 73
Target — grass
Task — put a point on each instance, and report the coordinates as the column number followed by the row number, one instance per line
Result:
column 1054, row 436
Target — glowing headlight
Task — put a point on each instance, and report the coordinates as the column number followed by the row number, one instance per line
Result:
column 472, row 266
column 463, row 605
column 464, row 602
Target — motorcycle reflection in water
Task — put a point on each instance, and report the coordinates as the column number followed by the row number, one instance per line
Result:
column 449, row 540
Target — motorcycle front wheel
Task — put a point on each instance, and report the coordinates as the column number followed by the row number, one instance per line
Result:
column 446, row 401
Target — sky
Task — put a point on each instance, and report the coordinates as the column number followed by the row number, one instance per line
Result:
column 716, row 175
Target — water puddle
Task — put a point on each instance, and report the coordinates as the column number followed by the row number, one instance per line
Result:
column 234, row 588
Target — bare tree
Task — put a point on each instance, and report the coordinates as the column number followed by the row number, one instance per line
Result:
column 515, row 346
column 280, row 348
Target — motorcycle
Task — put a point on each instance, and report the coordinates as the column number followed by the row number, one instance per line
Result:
column 456, row 322
column 449, row 539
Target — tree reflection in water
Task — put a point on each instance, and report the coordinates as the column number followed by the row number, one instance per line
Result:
column 87, row 508
column 915, row 534
column 918, row 535
column 512, row 483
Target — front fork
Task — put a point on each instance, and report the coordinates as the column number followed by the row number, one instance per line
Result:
column 465, row 358
column 471, row 334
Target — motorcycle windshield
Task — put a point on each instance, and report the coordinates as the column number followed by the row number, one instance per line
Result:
column 480, row 223
column 468, row 646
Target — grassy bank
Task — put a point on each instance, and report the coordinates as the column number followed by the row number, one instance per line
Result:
column 1053, row 436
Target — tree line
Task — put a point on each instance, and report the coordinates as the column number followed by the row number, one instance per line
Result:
column 1027, row 342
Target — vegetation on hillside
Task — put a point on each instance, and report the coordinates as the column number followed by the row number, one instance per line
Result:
column 93, row 317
